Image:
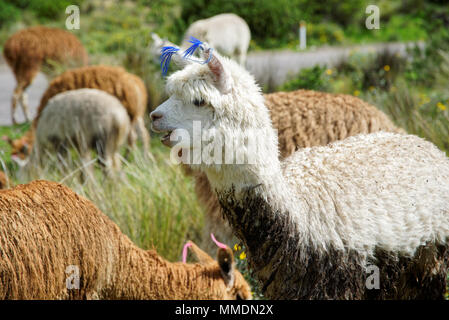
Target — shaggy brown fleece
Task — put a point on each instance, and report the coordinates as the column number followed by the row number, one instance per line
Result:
column 3, row 180
column 45, row 227
column 303, row 118
column 127, row 87
column 27, row 50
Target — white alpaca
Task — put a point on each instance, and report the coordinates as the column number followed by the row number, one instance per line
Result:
column 87, row 119
column 227, row 33
column 313, row 223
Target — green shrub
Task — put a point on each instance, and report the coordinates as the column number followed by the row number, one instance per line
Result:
column 275, row 19
column 324, row 33
column 309, row 78
column 8, row 13
column 425, row 66
column 378, row 71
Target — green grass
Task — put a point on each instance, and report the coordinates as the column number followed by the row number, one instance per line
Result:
column 152, row 202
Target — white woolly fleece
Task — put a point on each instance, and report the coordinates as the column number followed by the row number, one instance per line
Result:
column 378, row 190
column 86, row 114
column 227, row 33
column 382, row 189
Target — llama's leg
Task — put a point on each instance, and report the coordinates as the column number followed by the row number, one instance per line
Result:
column 240, row 56
column 16, row 97
column 132, row 137
column 116, row 162
column 107, row 149
column 24, row 76
column 143, row 134
column 108, row 165
column 24, row 103
column 242, row 59
column 87, row 171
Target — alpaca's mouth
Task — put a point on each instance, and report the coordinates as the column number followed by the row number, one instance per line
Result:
column 166, row 139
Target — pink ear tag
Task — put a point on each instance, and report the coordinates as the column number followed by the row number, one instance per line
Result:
column 184, row 251
column 219, row 244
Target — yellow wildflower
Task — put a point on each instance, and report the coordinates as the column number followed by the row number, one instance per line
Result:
column 387, row 68
column 441, row 106
column 356, row 93
column 329, row 72
column 236, row 247
column 242, row 255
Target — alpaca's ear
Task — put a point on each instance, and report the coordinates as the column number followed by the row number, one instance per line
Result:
column 7, row 139
column 221, row 77
column 201, row 256
column 156, row 39
column 226, row 263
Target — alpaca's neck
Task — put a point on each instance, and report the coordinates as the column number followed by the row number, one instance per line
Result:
column 145, row 275
column 264, row 212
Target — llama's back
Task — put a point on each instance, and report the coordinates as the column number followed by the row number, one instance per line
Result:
column 113, row 80
column 225, row 32
column 88, row 115
column 383, row 190
column 47, row 230
column 306, row 118
column 29, row 48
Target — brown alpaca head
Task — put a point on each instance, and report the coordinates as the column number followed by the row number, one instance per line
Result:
column 236, row 286
column 20, row 148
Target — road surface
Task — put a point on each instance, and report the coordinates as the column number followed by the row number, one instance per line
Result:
column 7, row 85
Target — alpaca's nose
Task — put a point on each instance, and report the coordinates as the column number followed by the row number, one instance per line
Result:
column 155, row 115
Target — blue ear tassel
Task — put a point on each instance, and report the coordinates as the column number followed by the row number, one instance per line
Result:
column 191, row 50
column 166, row 55
column 168, row 51
column 195, row 45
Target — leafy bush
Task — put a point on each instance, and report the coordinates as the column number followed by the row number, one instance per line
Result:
column 309, row 78
column 8, row 13
column 368, row 71
column 275, row 19
column 324, row 33
column 425, row 65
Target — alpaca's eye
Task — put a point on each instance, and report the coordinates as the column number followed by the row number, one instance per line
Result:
column 199, row 102
column 24, row 150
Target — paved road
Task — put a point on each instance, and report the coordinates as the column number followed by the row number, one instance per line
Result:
column 273, row 67
column 7, row 85
column 268, row 67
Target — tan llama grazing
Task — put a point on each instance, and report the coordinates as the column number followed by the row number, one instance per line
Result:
column 302, row 118
column 128, row 88
column 27, row 50
column 50, row 237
